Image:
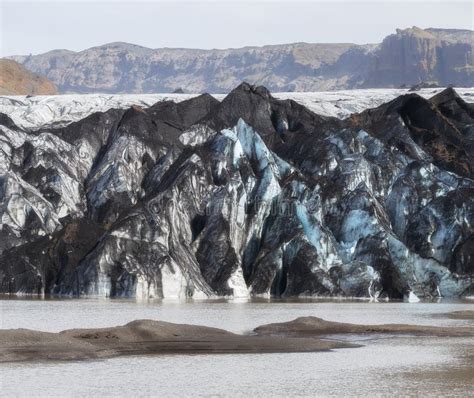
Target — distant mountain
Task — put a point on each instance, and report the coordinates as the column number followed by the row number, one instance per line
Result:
column 440, row 56
column 15, row 79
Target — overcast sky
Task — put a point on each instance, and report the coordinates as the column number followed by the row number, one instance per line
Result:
column 39, row 26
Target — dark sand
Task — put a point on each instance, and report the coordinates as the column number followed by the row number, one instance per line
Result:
column 145, row 337
column 312, row 326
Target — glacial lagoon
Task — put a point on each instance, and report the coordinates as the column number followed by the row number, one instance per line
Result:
column 384, row 365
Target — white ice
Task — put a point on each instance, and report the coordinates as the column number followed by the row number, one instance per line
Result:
column 40, row 111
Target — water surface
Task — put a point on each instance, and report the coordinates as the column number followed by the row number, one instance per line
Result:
column 401, row 366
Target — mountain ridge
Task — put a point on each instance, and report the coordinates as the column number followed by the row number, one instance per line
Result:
column 440, row 56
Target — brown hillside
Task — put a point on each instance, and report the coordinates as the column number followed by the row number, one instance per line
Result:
column 15, row 79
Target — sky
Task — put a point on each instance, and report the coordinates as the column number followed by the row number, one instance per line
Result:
column 33, row 27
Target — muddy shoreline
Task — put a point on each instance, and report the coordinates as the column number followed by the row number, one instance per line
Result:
column 147, row 337
column 312, row 326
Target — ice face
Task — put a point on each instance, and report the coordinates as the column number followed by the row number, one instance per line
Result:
column 358, row 224
column 198, row 212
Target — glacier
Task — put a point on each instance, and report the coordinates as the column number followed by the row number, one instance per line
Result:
column 249, row 194
column 60, row 110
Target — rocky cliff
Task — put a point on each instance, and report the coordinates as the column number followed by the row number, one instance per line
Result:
column 248, row 196
column 15, row 79
column 440, row 56
column 415, row 55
